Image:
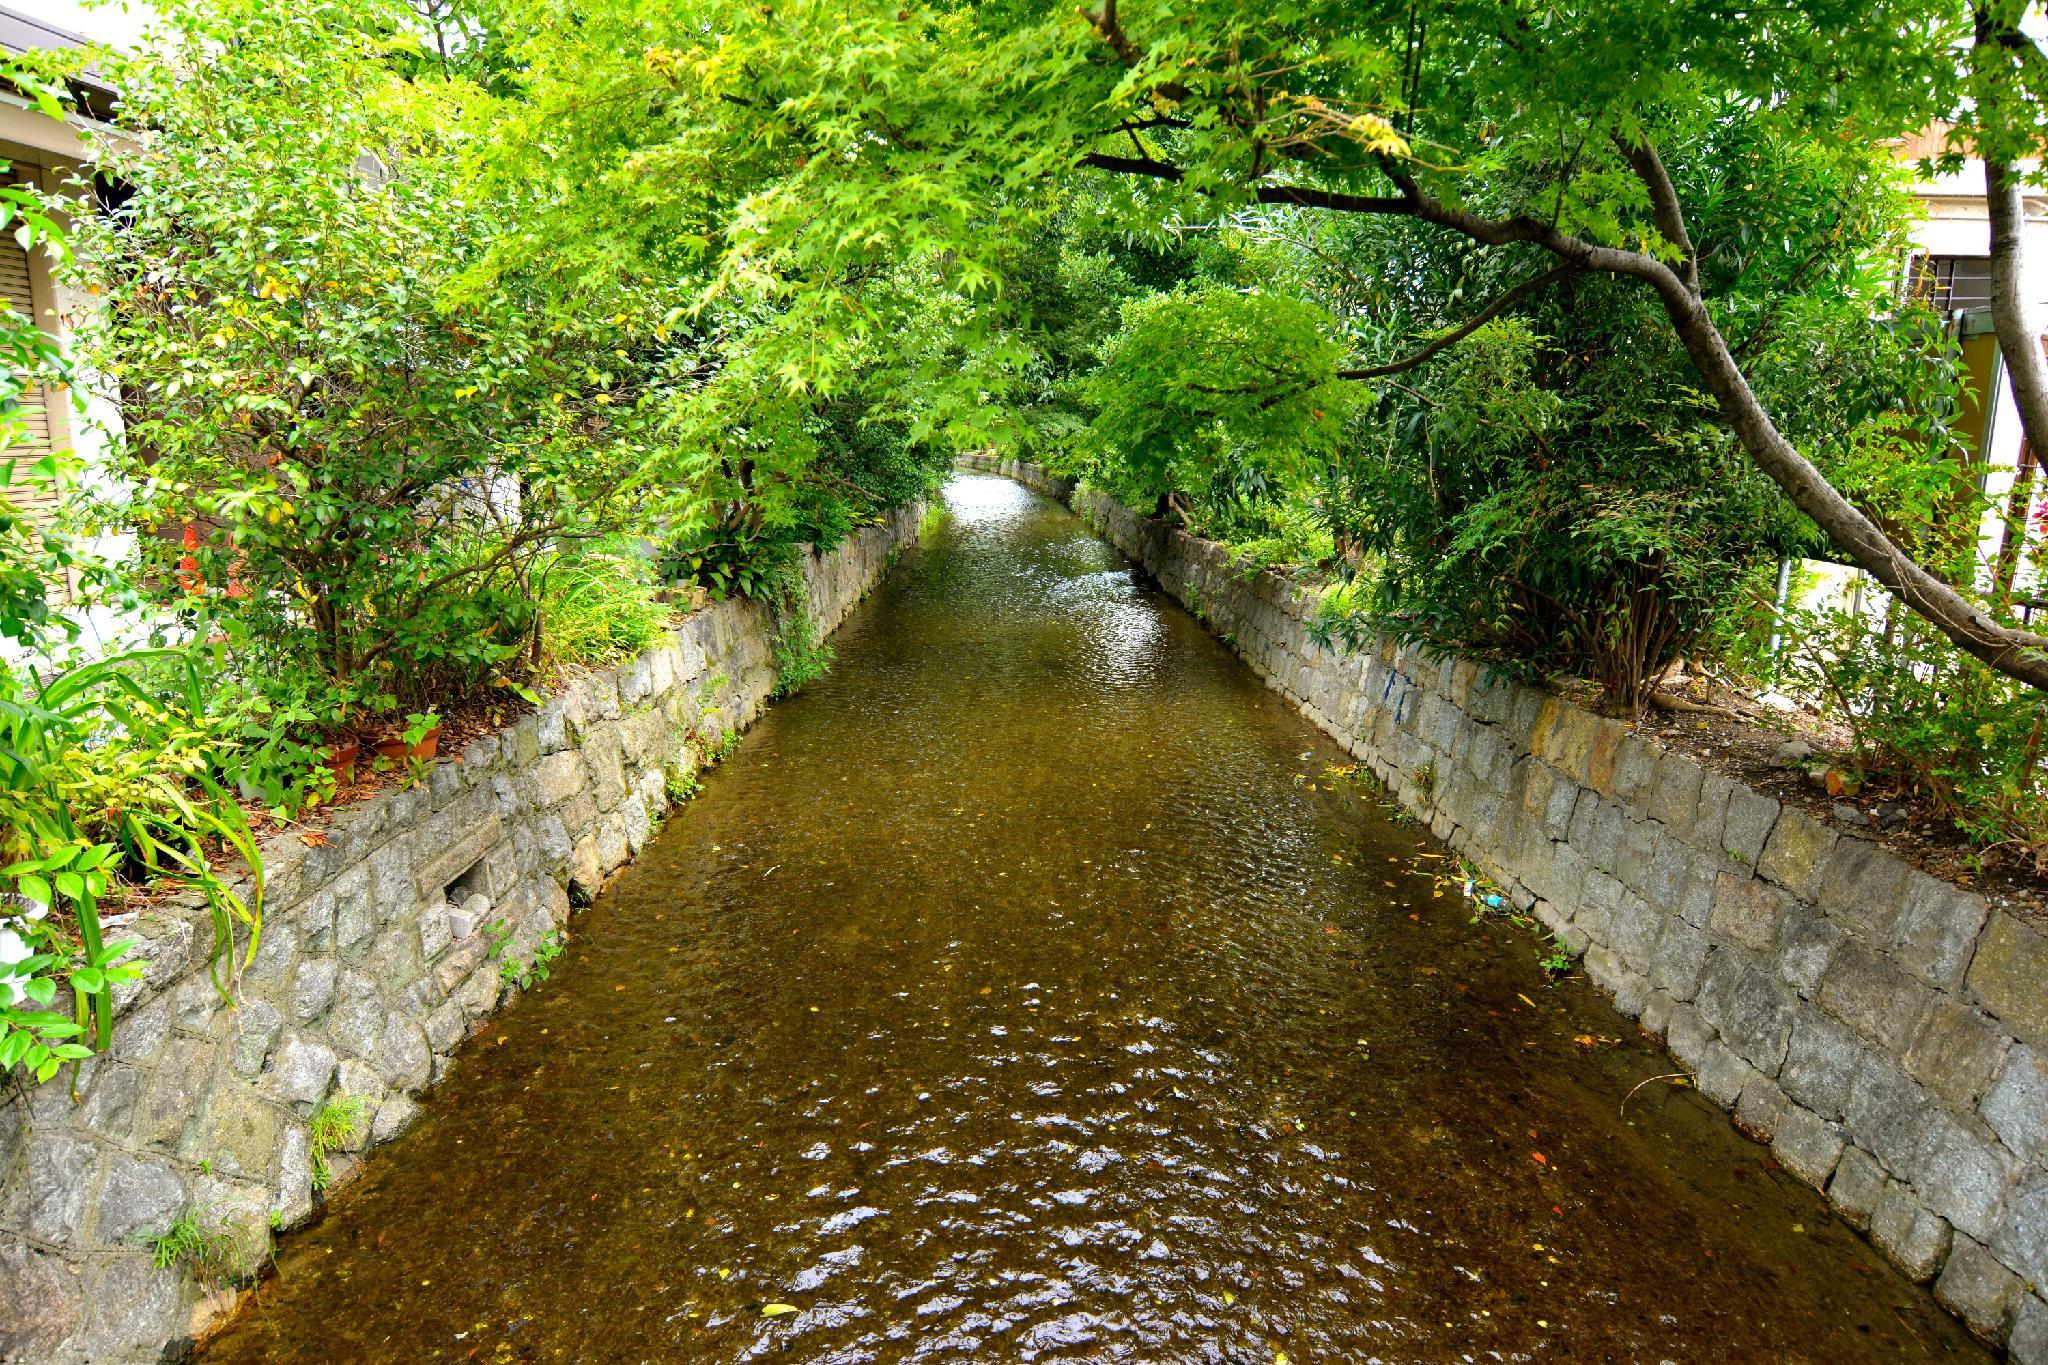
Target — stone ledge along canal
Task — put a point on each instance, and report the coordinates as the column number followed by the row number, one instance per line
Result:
column 1026, row 990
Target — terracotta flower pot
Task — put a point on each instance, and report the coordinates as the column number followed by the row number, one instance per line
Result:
column 341, row 759
column 393, row 747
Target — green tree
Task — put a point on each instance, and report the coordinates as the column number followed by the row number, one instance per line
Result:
column 796, row 149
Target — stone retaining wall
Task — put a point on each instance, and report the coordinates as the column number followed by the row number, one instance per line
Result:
column 1885, row 1032
column 365, row 982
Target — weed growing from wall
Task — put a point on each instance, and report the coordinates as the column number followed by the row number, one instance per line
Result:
column 331, row 1129
column 209, row 1252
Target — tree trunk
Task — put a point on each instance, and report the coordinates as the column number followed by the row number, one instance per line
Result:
column 2018, row 338
column 2018, row 341
column 2004, row 111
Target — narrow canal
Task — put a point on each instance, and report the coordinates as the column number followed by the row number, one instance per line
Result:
column 1025, row 991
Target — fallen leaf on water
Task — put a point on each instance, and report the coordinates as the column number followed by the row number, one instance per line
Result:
column 776, row 1310
column 1541, row 1159
column 1525, row 1000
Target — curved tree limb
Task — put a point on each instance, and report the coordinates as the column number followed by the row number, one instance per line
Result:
column 2017, row 653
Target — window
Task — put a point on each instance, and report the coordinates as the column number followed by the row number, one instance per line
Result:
column 1950, row 284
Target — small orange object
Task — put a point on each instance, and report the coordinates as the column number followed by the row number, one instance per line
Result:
column 1541, row 1159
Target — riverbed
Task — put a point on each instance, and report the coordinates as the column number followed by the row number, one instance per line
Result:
column 1039, row 987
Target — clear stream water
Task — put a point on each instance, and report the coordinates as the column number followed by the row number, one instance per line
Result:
column 1024, row 991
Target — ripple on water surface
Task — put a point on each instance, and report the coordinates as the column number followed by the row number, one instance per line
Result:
column 1022, row 992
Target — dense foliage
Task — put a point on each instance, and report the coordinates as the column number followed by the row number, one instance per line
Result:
column 354, row 472
column 1554, row 329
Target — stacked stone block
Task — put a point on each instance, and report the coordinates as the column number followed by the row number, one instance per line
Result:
column 1884, row 1031
column 361, row 985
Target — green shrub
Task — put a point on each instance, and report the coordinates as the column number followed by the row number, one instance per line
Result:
column 1211, row 398
column 110, row 770
column 342, row 447
column 1294, row 535
column 1506, row 506
column 1933, row 721
column 799, row 660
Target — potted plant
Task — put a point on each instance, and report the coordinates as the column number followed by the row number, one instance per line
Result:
column 342, row 752
column 419, row 741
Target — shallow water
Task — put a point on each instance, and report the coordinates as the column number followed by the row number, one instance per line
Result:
column 1023, row 991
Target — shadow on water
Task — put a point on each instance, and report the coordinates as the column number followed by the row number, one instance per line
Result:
column 1021, row 993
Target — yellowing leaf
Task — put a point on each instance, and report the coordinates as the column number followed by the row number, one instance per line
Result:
column 776, row 1310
